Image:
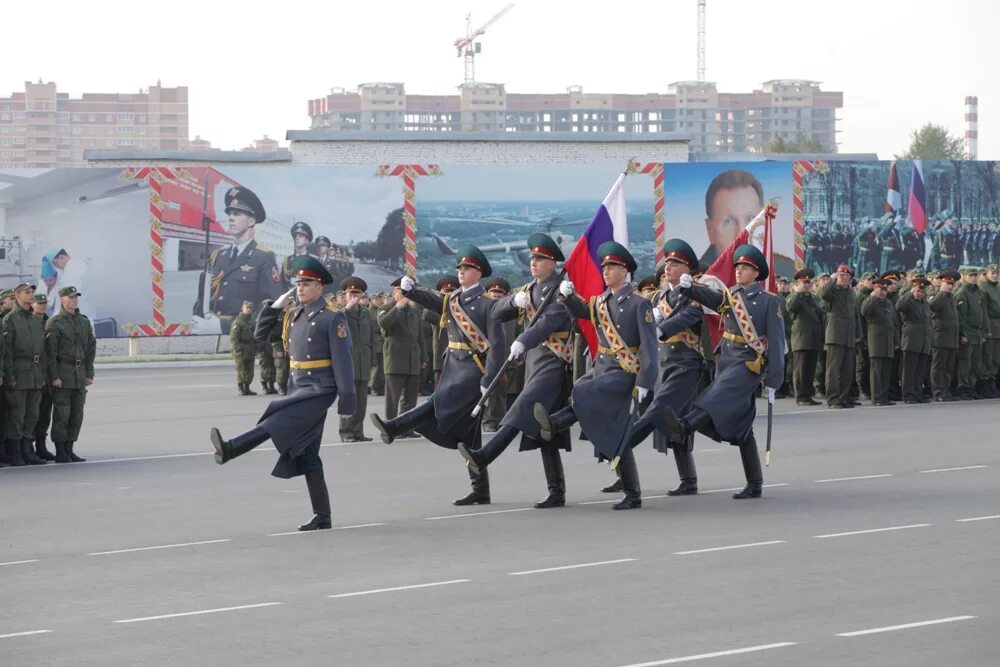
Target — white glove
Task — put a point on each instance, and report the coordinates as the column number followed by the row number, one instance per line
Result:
column 685, row 280
column 641, row 393
column 566, row 288
column 521, row 299
column 280, row 302
column 406, row 284
column 516, row 349
column 483, row 390
column 770, row 394
column 210, row 325
column 657, row 314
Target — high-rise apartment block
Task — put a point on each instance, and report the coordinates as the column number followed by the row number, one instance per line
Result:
column 41, row 127
column 716, row 122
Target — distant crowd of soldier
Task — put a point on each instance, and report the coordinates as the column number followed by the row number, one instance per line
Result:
column 46, row 365
column 892, row 244
column 893, row 336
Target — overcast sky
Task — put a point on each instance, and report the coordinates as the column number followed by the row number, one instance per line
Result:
column 252, row 65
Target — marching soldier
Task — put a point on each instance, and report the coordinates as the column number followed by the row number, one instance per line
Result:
column 626, row 366
column 362, row 326
column 969, row 300
column 807, row 335
column 319, row 346
column 302, row 236
column 70, row 349
column 841, row 337
column 546, row 349
column 40, row 308
column 753, row 349
column 991, row 317
column 880, row 314
column 243, row 348
column 944, row 337
column 915, row 312
column 446, row 284
column 400, row 324
column 497, row 288
column 475, row 353
column 681, row 363
column 244, row 271
column 24, row 375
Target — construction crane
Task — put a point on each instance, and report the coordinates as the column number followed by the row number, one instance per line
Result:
column 467, row 47
column 701, row 40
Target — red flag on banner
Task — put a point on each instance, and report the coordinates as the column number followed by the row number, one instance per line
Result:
column 722, row 273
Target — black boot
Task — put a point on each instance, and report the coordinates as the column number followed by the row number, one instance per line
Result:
column 28, row 453
column 283, row 388
column 639, row 433
column 751, row 469
column 552, row 424
column 72, row 455
column 480, row 489
column 404, row 423
column 61, row 455
column 14, row 452
column 686, row 471
column 629, row 474
column 319, row 497
column 679, row 427
column 41, row 451
column 554, row 477
column 613, row 488
column 227, row 450
column 488, row 453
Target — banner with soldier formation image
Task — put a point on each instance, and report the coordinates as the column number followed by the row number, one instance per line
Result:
column 176, row 251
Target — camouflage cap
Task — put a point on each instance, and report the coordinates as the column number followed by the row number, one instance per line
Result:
column 992, row 267
column 969, row 270
column 869, row 275
column 26, row 286
column 41, row 298
column 6, row 294
column 248, row 304
column 68, row 291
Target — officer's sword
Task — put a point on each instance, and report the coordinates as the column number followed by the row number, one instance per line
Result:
column 628, row 430
column 496, row 379
column 770, row 416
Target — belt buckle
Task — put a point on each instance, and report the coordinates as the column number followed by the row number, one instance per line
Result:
column 36, row 359
column 78, row 362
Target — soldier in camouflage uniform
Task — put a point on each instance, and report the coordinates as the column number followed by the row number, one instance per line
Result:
column 6, row 303
column 268, row 369
column 24, row 375
column 45, row 405
column 70, row 350
column 243, row 348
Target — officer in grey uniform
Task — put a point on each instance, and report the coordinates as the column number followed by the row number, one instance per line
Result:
column 682, row 367
column 626, row 366
column 547, row 350
column 475, row 354
column 750, row 351
column 318, row 341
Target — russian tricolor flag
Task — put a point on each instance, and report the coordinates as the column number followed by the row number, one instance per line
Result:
column 583, row 265
column 917, row 210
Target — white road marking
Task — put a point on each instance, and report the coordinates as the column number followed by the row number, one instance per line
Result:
column 740, row 488
column 974, row 518
column 716, row 654
column 573, row 567
column 906, row 626
column 459, row 516
column 400, row 588
column 735, row 546
column 24, row 634
column 162, row 546
column 199, row 613
column 310, row 532
column 952, row 469
column 873, row 530
column 850, row 479
column 259, row 450
column 19, row 562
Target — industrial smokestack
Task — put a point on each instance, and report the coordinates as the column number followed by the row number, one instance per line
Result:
column 972, row 126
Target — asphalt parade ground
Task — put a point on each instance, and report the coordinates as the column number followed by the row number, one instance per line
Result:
column 875, row 543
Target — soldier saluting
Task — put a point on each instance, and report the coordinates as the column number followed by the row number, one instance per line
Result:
column 547, row 349
column 319, row 348
column 625, row 365
column 753, row 346
column 243, row 271
column 475, row 354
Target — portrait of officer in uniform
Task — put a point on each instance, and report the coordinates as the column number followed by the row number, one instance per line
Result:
column 732, row 200
column 242, row 271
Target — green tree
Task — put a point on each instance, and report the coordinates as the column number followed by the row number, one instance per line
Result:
column 389, row 244
column 932, row 142
column 801, row 144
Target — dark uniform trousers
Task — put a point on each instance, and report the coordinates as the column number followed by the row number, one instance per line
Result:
column 863, row 369
column 839, row 371
column 22, row 412
column 67, row 413
column 400, row 393
column 914, row 370
column 803, row 372
column 970, row 365
column 378, row 374
column 881, row 378
column 353, row 425
column 44, row 415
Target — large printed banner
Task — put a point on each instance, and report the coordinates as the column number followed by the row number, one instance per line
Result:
column 139, row 243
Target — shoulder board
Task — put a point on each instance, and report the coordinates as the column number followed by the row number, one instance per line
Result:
column 263, row 248
column 525, row 287
column 215, row 253
column 332, row 307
